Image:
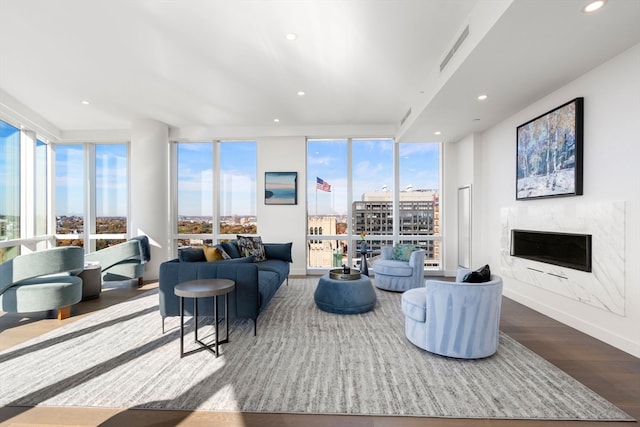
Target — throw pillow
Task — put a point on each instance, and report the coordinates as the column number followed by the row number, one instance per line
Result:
column 191, row 255
column 251, row 246
column 402, row 251
column 231, row 248
column 483, row 274
column 212, row 254
column 224, row 253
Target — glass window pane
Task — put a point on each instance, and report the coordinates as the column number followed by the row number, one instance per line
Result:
column 238, row 188
column 111, row 189
column 40, row 202
column 69, row 192
column 419, row 173
column 195, row 188
column 372, row 178
column 327, row 203
column 9, row 181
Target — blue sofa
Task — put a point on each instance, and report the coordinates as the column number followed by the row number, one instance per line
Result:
column 256, row 282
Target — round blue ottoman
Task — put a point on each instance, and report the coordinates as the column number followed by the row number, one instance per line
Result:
column 345, row 296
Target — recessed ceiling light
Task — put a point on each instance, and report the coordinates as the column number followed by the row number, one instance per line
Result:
column 85, row 102
column 482, row 97
column 437, row 132
column 300, row 93
column 593, row 6
column 276, row 120
column 291, row 36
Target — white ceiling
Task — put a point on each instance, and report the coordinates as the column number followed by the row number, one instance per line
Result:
column 226, row 63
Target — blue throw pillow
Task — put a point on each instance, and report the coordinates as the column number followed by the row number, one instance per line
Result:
column 191, row 255
column 402, row 251
column 231, row 249
column 281, row 251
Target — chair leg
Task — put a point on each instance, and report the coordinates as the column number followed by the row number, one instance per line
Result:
column 163, row 324
column 64, row 312
column 255, row 326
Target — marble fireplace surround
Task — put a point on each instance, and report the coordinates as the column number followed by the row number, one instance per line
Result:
column 604, row 286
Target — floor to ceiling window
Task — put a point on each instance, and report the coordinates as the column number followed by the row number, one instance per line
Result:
column 91, row 194
column 215, row 184
column 41, row 179
column 24, row 170
column 112, row 197
column 9, row 187
column 354, row 196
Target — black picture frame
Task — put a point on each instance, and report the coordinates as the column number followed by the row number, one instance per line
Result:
column 281, row 188
column 549, row 153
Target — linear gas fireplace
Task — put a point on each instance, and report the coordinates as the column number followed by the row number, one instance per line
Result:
column 563, row 249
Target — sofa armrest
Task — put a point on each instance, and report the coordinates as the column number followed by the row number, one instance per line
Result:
column 281, row 251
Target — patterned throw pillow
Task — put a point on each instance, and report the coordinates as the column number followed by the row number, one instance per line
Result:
column 251, row 246
column 402, row 252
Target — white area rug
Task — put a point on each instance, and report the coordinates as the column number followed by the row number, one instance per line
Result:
column 302, row 361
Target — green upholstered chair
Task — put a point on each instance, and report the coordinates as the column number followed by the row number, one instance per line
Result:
column 124, row 261
column 42, row 280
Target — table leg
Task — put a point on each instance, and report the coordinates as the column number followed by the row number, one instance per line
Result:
column 195, row 318
column 226, row 315
column 215, row 320
column 181, row 327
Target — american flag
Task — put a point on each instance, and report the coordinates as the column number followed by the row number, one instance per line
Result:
column 323, row 185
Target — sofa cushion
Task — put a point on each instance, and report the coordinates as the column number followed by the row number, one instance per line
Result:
column 414, row 304
column 391, row 267
column 191, row 255
column 402, row 252
column 231, row 249
column 251, row 246
column 277, row 266
column 281, row 251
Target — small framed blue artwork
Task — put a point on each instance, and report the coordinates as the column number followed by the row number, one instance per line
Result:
column 281, row 188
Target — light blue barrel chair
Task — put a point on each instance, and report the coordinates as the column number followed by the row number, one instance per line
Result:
column 41, row 281
column 399, row 268
column 454, row 319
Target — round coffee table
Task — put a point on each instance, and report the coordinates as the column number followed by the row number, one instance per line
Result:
column 345, row 296
column 204, row 288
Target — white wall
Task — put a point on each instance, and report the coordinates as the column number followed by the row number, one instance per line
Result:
column 284, row 223
column 611, row 151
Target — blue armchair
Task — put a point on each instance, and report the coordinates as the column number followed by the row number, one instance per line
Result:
column 454, row 319
column 397, row 275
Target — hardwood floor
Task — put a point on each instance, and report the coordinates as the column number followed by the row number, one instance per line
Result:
column 613, row 374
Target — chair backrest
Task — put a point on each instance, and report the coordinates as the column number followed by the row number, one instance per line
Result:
column 41, row 263
column 463, row 318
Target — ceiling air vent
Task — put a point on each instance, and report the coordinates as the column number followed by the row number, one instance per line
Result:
column 454, row 49
column 406, row 116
